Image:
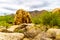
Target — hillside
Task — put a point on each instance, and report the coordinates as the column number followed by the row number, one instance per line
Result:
column 36, row 12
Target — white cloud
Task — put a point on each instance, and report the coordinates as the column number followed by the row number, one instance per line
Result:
column 10, row 6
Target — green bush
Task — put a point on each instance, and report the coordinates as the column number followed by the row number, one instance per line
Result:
column 6, row 20
column 43, row 18
column 36, row 20
column 55, row 19
column 47, row 18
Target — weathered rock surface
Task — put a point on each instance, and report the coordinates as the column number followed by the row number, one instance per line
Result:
column 12, row 28
column 32, row 31
column 54, row 33
column 18, row 27
column 42, row 36
column 11, row 36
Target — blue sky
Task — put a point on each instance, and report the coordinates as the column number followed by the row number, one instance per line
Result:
column 10, row 6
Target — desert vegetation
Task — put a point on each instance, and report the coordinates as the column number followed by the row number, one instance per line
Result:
column 51, row 18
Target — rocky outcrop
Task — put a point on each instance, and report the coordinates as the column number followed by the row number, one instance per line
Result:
column 31, row 32
column 22, row 16
column 11, row 36
column 16, row 28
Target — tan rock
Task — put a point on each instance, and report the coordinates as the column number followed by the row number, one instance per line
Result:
column 11, row 36
column 32, row 32
column 54, row 33
column 56, row 10
column 2, row 28
column 19, row 27
column 26, row 39
column 41, row 36
column 12, row 28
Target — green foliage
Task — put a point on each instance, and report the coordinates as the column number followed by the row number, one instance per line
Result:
column 47, row 18
column 36, row 20
column 55, row 19
column 6, row 20
column 43, row 18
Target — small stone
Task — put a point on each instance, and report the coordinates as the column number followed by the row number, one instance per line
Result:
column 26, row 39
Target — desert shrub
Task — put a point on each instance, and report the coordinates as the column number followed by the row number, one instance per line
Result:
column 6, row 20
column 43, row 18
column 9, row 19
column 55, row 19
column 36, row 20
column 47, row 18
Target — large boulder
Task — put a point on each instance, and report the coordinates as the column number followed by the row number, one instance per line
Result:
column 56, row 10
column 53, row 33
column 32, row 31
column 22, row 16
column 11, row 36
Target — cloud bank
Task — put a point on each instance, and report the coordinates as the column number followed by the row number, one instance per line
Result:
column 10, row 6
